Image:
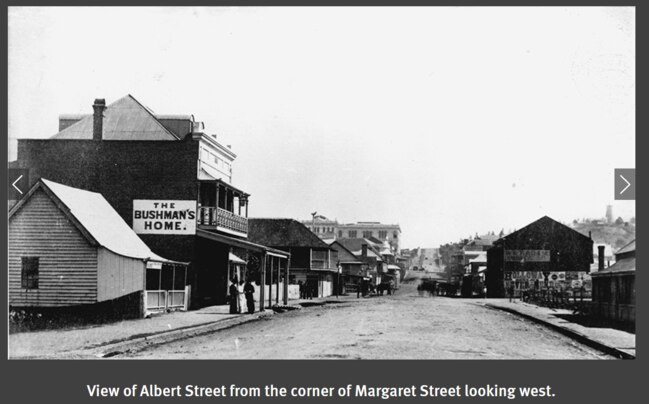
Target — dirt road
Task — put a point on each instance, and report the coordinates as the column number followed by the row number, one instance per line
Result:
column 401, row 326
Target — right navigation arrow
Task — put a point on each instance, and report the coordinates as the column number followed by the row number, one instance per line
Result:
column 628, row 184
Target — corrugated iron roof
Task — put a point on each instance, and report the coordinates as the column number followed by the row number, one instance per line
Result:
column 623, row 265
column 282, row 233
column 124, row 119
column 103, row 223
column 627, row 248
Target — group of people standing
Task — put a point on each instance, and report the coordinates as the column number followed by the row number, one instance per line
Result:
column 306, row 290
column 241, row 294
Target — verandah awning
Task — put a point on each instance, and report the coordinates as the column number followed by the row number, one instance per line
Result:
column 241, row 243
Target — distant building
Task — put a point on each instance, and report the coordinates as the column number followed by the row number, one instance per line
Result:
column 370, row 254
column 313, row 262
column 544, row 253
column 609, row 214
column 323, row 227
column 353, row 271
column 330, row 229
column 481, row 243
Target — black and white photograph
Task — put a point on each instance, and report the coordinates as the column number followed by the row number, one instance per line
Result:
column 329, row 183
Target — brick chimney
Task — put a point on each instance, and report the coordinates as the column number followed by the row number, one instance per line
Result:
column 364, row 250
column 600, row 251
column 98, row 119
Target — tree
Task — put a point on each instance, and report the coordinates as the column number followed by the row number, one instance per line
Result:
column 619, row 221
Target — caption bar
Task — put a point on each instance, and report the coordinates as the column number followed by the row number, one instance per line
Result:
column 350, row 390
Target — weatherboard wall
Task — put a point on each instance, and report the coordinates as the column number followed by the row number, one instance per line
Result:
column 117, row 275
column 67, row 262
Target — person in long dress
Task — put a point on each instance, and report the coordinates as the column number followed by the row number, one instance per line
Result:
column 234, row 297
column 249, row 291
column 242, row 297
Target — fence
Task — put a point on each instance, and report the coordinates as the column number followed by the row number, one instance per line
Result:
column 164, row 300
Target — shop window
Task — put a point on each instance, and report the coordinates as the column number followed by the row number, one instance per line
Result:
column 29, row 274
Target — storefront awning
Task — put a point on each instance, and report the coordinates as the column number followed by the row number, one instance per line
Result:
column 241, row 243
column 236, row 260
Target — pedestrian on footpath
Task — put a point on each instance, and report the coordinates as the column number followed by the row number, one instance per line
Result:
column 249, row 291
column 302, row 291
column 234, row 297
column 511, row 292
column 242, row 296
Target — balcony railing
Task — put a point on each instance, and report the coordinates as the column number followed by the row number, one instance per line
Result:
column 210, row 216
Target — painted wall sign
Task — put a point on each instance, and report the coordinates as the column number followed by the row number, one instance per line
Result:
column 527, row 255
column 164, row 217
column 524, row 275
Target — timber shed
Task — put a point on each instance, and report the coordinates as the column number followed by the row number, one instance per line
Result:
column 535, row 255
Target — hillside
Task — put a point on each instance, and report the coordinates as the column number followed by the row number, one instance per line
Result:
column 617, row 235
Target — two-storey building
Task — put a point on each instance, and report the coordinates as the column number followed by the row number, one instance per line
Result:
column 168, row 179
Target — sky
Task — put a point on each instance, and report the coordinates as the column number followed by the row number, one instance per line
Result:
column 449, row 121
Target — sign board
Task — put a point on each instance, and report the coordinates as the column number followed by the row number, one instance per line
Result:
column 525, row 275
column 153, row 265
column 164, row 217
column 527, row 255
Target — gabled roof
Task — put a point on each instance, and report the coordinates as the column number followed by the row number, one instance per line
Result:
column 344, row 255
column 539, row 222
column 355, row 245
column 124, row 119
column 627, row 248
column 282, row 233
column 95, row 218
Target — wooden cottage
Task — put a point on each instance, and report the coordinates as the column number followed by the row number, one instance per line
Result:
column 68, row 248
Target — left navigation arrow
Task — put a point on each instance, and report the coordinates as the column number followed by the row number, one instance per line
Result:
column 13, row 184
column 18, row 183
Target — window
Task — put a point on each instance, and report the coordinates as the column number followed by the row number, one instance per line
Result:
column 29, row 275
column 352, row 234
column 367, row 234
column 383, row 234
column 340, row 234
column 395, row 235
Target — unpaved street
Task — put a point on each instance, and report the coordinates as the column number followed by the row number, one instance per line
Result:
column 402, row 326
